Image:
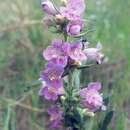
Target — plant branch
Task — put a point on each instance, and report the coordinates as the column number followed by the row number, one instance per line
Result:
column 85, row 66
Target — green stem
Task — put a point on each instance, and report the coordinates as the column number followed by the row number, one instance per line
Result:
column 65, row 36
column 8, row 116
column 73, row 83
column 85, row 66
column 70, row 84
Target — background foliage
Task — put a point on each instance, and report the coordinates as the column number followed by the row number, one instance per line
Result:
column 22, row 39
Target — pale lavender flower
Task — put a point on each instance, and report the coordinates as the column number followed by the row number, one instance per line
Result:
column 91, row 98
column 77, row 5
column 73, row 10
column 51, row 92
column 76, row 53
column 56, row 118
column 57, row 52
column 69, row 14
column 52, row 74
column 94, row 54
column 74, row 27
column 95, row 86
column 48, row 7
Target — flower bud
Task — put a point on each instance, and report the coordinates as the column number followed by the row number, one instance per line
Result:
column 48, row 7
column 59, row 19
column 73, row 62
column 64, row 2
column 63, row 98
column 74, row 28
column 82, row 111
column 90, row 114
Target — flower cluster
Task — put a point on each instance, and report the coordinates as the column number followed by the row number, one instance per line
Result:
column 91, row 98
column 63, row 57
column 68, row 17
column 59, row 55
column 53, row 85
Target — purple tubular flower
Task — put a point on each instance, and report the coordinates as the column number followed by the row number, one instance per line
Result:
column 76, row 53
column 55, row 114
column 95, row 86
column 94, row 54
column 52, row 74
column 74, row 27
column 91, row 98
column 69, row 14
column 57, row 52
column 73, row 10
column 48, row 7
column 51, row 93
column 77, row 5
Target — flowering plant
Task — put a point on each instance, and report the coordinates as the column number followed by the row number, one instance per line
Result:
column 72, row 104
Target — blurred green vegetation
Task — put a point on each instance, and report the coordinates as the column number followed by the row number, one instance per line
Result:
column 22, row 40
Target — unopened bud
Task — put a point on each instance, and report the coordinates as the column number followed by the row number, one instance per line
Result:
column 90, row 114
column 48, row 7
column 63, row 98
column 77, row 63
column 84, row 111
column 59, row 19
column 64, row 2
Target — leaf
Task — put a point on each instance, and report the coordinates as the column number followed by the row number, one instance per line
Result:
column 106, row 121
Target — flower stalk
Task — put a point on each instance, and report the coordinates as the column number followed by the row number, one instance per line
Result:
column 74, row 104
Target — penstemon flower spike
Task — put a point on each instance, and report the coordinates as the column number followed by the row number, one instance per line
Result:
column 74, row 104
